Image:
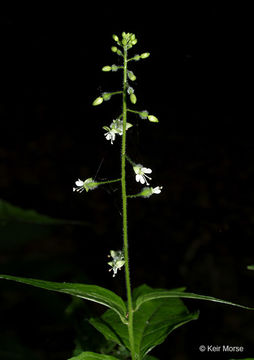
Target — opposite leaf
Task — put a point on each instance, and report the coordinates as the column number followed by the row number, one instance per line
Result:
column 88, row 292
column 176, row 294
column 88, row 355
column 153, row 322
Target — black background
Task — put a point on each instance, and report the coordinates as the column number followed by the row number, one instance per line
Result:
column 197, row 233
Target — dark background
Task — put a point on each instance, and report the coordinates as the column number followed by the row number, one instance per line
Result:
column 198, row 232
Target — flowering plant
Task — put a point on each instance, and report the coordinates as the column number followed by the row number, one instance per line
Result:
column 148, row 315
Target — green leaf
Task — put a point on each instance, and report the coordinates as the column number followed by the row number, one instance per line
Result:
column 89, row 292
column 87, row 355
column 176, row 294
column 14, row 214
column 153, row 321
column 250, row 267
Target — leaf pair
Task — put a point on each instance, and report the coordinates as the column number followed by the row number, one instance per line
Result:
column 156, row 313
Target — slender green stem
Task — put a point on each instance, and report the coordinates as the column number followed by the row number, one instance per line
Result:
column 115, row 92
column 124, row 201
column 107, row 181
column 134, row 111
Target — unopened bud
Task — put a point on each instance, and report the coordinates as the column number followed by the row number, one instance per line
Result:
column 98, row 101
column 131, row 76
column 115, row 37
column 145, row 55
column 114, row 49
column 153, row 118
column 133, row 98
column 106, row 68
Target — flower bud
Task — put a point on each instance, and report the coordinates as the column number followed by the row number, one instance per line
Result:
column 114, row 49
column 106, row 68
column 134, row 42
column 119, row 52
column 133, row 98
column 153, row 118
column 98, row 101
column 124, row 42
column 131, row 76
column 145, row 55
column 115, row 37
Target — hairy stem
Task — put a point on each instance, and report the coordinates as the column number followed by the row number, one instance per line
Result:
column 124, row 201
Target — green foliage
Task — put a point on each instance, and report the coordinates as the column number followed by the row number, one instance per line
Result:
column 152, row 313
column 250, row 267
column 169, row 294
column 153, row 322
column 87, row 355
column 89, row 292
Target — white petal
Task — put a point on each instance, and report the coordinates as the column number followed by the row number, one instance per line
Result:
column 79, row 182
column 146, row 170
column 143, row 180
column 138, row 177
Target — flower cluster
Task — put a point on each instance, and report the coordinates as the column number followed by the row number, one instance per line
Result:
column 115, row 128
column 87, row 185
column 118, row 261
column 141, row 176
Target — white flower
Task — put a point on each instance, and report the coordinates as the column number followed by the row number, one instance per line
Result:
column 157, row 189
column 141, row 172
column 80, row 186
column 118, row 261
column 146, row 192
column 87, row 185
column 116, row 127
column 110, row 134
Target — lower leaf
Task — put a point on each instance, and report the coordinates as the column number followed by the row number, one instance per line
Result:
column 153, row 322
column 88, row 355
column 89, row 292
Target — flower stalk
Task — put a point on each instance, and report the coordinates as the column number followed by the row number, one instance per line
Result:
column 124, row 205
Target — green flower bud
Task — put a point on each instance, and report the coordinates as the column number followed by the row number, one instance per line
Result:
column 106, row 68
column 114, row 49
column 119, row 52
column 115, row 37
column 124, row 42
column 153, row 118
column 133, row 98
column 145, row 55
column 131, row 76
column 134, row 42
column 98, row 101
column 123, row 35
